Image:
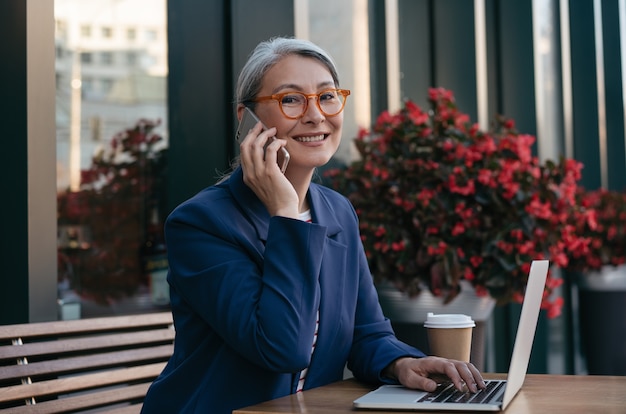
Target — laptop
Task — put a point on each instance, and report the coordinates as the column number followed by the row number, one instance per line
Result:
column 499, row 393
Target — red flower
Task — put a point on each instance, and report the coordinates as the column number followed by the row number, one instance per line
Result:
column 464, row 203
column 596, row 230
column 539, row 209
column 397, row 246
column 465, row 189
column 458, row 229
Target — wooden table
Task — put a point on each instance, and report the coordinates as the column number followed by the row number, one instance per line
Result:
column 571, row 394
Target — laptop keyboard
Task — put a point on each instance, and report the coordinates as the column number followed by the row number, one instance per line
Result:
column 447, row 393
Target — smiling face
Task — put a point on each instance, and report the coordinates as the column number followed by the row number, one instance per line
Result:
column 314, row 138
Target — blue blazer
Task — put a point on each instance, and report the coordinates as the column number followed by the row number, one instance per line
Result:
column 245, row 291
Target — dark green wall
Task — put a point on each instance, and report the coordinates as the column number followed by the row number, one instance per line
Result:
column 14, row 164
column 614, row 100
column 208, row 43
column 586, row 138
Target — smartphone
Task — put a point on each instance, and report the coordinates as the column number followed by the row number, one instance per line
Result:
column 248, row 121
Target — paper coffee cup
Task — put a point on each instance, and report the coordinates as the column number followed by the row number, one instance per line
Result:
column 450, row 335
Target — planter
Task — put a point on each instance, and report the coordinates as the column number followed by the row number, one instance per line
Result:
column 601, row 314
column 408, row 315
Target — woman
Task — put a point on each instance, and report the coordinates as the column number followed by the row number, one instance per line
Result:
column 270, row 288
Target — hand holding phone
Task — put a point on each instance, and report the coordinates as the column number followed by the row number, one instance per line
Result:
column 248, row 121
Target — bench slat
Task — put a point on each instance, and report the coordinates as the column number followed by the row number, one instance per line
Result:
column 130, row 409
column 66, row 346
column 86, row 401
column 80, row 382
column 32, row 330
column 75, row 364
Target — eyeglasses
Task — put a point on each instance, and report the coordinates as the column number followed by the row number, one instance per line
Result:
column 294, row 104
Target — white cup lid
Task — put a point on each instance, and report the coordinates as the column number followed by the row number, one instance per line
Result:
column 449, row 320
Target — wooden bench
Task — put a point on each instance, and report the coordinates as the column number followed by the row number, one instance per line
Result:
column 71, row 366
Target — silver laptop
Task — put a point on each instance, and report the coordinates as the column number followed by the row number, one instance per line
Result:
column 498, row 394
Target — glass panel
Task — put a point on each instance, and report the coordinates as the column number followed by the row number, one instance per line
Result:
column 111, row 71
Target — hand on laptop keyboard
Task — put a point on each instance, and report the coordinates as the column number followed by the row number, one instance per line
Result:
column 419, row 373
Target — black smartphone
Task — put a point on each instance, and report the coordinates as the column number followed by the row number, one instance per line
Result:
column 248, row 121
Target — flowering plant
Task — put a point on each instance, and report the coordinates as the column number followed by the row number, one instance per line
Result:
column 439, row 200
column 122, row 183
column 599, row 230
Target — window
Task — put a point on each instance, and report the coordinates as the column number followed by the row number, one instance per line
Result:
column 106, row 84
column 95, row 125
column 107, row 32
column 85, row 31
column 151, row 35
column 150, row 60
column 61, row 29
column 86, row 57
column 87, row 86
column 106, row 58
column 109, row 262
column 131, row 58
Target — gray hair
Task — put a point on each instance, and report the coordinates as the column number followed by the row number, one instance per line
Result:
column 267, row 54
column 262, row 59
